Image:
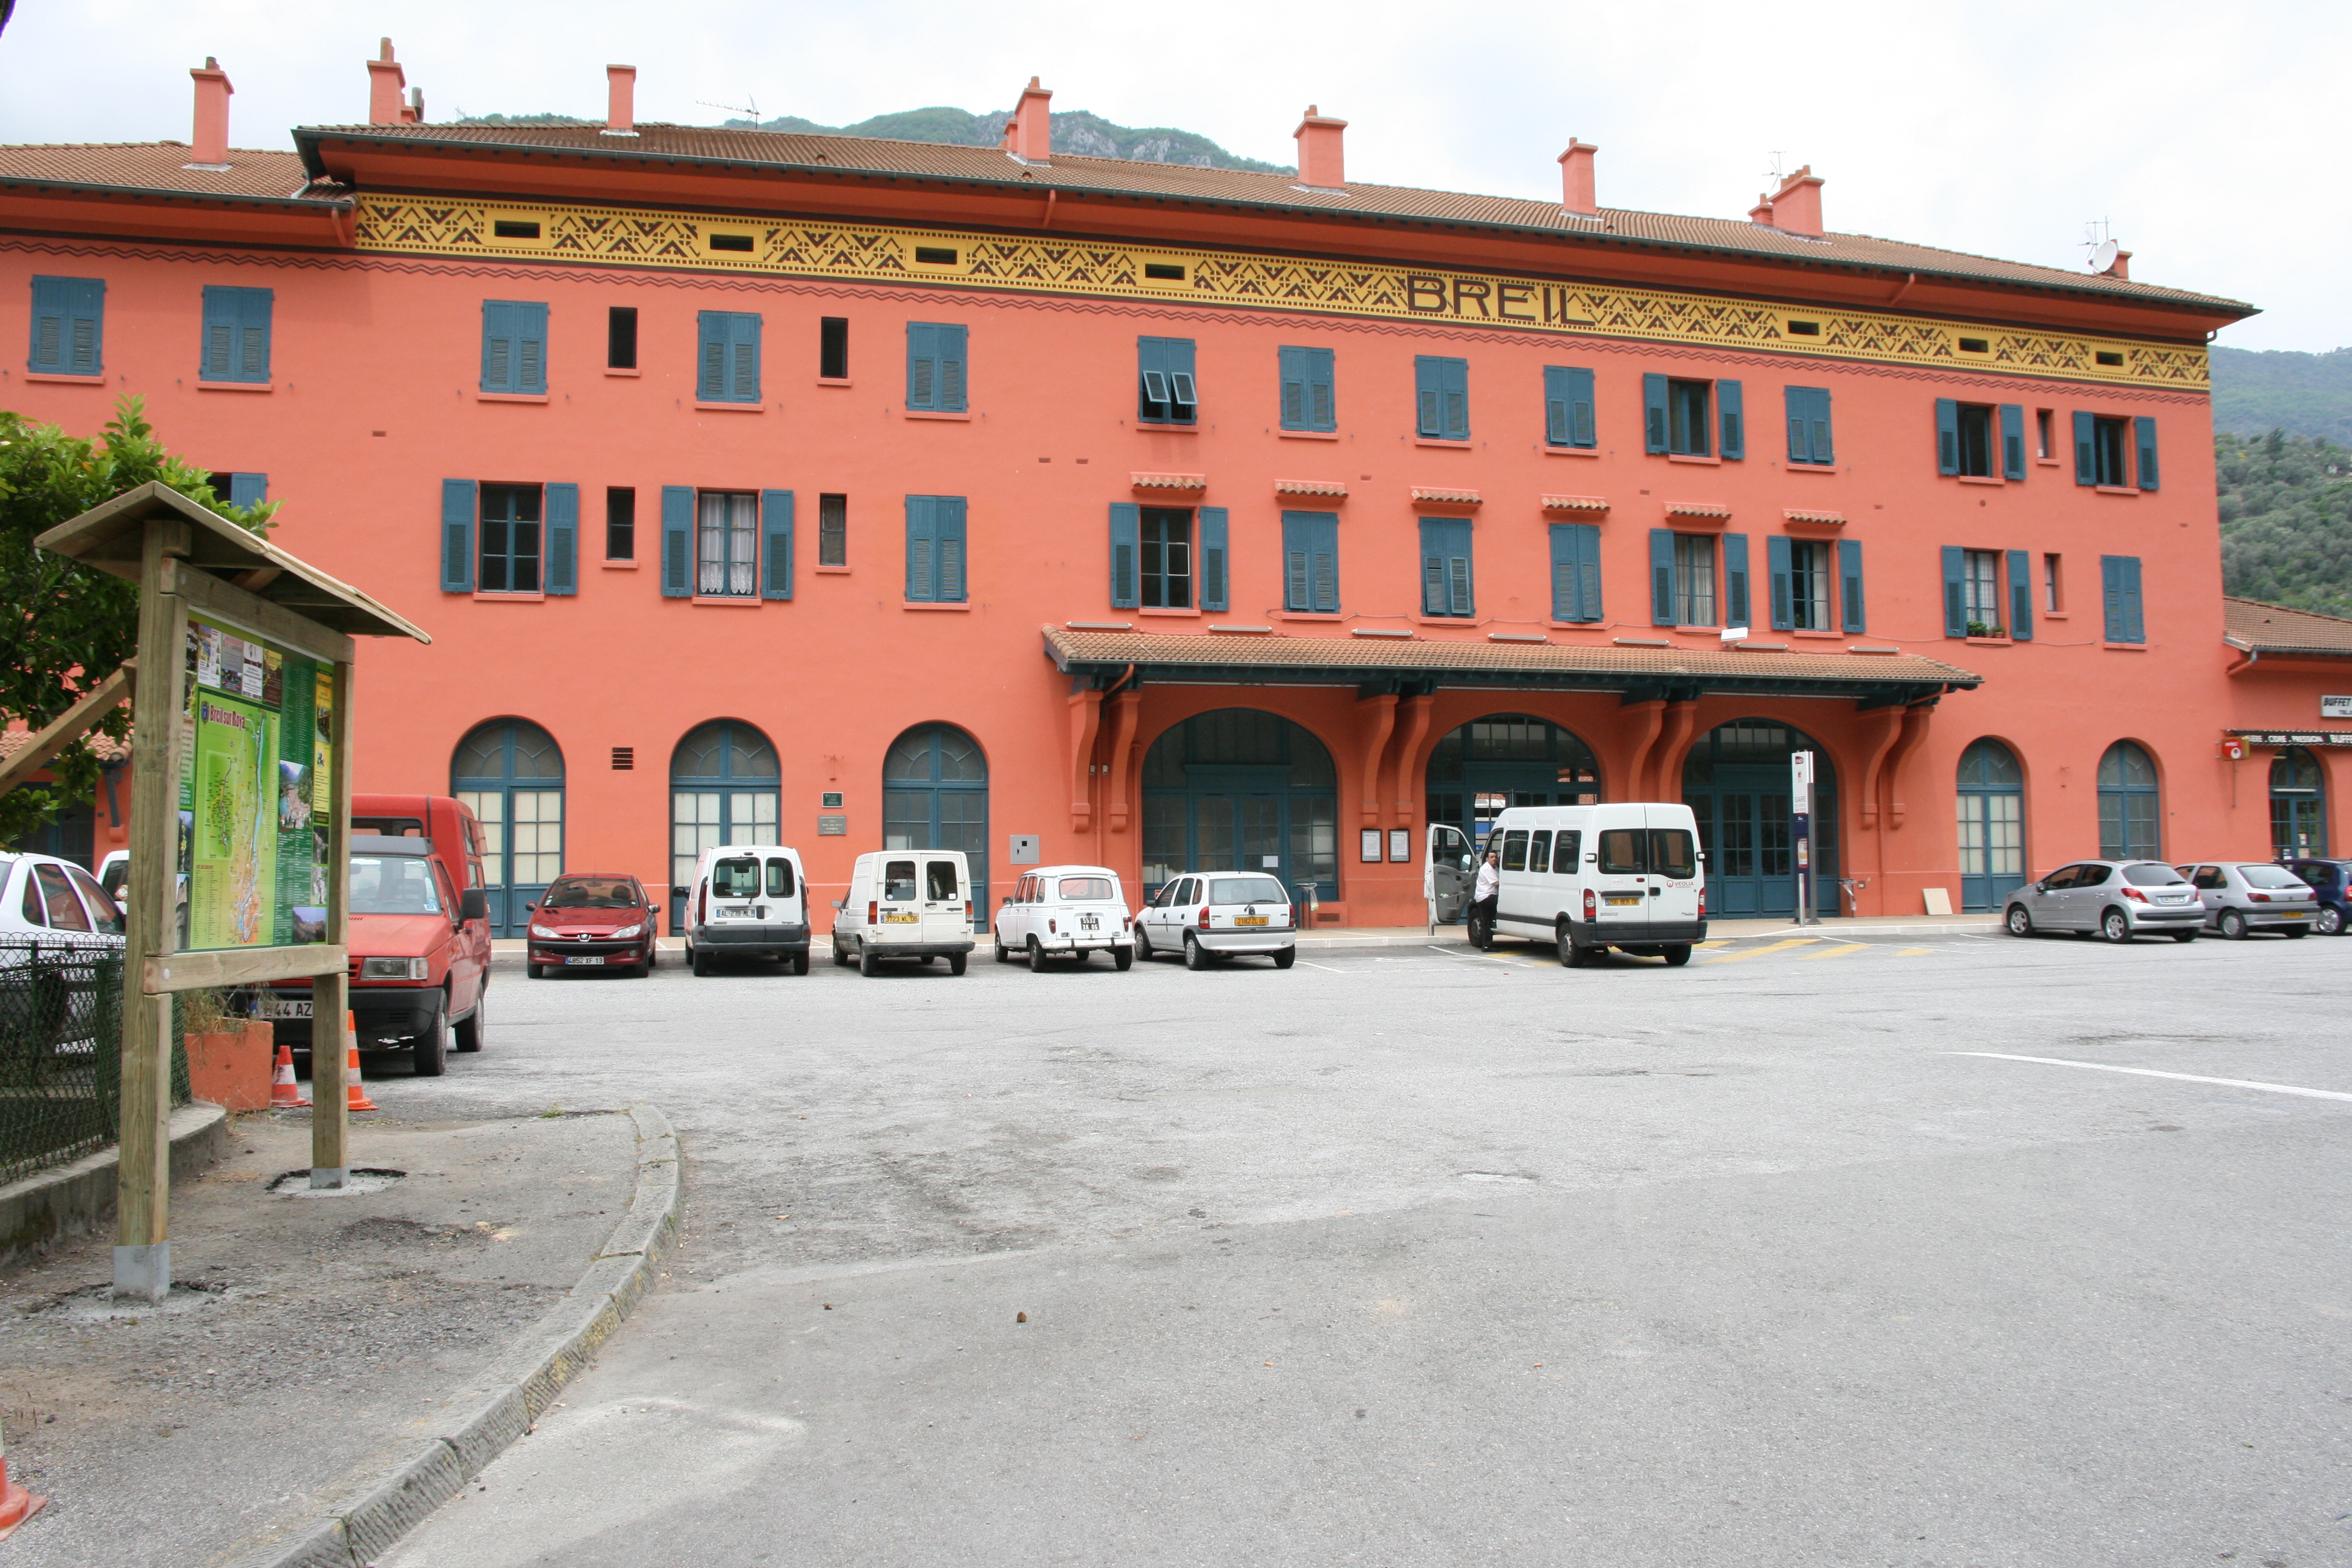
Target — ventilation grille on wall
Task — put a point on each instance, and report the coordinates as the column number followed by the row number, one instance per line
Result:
column 624, row 759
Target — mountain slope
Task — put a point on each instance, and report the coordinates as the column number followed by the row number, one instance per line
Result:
column 2286, row 521
column 2301, row 394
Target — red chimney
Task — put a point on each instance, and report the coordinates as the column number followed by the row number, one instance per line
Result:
column 385, row 80
column 620, row 94
column 1576, row 188
column 1031, row 134
column 1795, row 207
column 2121, row 266
column 209, row 146
column 1321, row 165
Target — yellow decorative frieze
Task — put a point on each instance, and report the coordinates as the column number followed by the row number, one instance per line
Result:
column 1224, row 278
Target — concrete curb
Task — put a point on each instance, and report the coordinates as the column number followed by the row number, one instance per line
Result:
column 479, row 1422
column 78, row 1199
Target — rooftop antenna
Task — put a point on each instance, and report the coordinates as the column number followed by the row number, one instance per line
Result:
column 1774, row 173
column 750, row 108
column 2098, row 239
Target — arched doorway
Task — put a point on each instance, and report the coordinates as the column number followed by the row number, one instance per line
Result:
column 1508, row 759
column 2298, row 805
column 2130, row 818
column 510, row 771
column 1735, row 781
column 935, row 796
column 725, row 787
column 1992, row 824
column 1238, row 789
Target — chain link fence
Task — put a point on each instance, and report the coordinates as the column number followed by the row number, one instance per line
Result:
column 61, row 1053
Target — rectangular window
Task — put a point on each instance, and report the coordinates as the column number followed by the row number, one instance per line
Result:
column 1446, row 584
column 1440, row 397
column 2103, row 451
column 1514, row 849
column 514, row 346
column 1808, row 425
column 236, row 334
column 1166, row 393
column 509, row 535
column 1575, row 571
column 1308, row 402
column 725, row 544
column 1310, row 561
column 1694, row 579
column 620, row 524
column 1686, row 418
column 2119, row 581
column 2052, row 587
column 240, row 490
column 935, row 367
column 621, row 337
column 1568, row 408
column 727, row 363
column 1166, row 556
column 1964, row 438
column 833, row 348
column 1980, row 606
column 832, row 530
column 2044, row 419
column 1810, row 570
column 69, row 326
column 935, row 549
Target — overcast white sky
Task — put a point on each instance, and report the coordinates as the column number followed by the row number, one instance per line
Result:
column 2212, row 137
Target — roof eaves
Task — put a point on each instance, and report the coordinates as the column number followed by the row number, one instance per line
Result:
column 171, row 193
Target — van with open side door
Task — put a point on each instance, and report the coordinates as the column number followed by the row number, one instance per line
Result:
column 748, row 901
column 905, row 903
column 1589, row 877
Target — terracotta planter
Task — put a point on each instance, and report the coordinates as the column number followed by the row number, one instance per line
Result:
column 232, row 1069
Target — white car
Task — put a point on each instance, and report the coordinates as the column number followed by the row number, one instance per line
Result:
column 1065, row 911
column 48, row 903
column 1207, row 915
column 905, row 903
column 56, row 924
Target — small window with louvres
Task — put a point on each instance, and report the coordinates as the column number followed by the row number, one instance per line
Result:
column 236, row 336
column 514, row 347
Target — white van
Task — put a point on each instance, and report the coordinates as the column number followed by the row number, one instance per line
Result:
column 748, row 901
column 1592, row 878
column 905, row 903
column 1065, row 911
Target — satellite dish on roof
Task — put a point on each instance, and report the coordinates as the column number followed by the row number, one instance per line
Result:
column 2103, row 256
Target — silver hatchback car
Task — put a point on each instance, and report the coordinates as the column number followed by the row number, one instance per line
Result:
column 2243, row 896
column 2117, row 899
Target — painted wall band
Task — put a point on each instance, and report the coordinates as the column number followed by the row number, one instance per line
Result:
column 952, row 258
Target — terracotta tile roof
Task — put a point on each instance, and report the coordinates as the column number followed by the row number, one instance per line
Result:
column 156, row 167
column 1576, row 503
column 2258, row 627
column 1570, row 666
column 1231, row 188
column 106, row 748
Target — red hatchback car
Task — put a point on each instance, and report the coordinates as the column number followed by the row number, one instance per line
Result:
column 590, row 919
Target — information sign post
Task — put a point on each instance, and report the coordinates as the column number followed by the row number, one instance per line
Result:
column 1800, row 834
column 240, row 825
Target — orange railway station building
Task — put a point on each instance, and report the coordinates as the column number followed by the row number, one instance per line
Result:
column 854, row 493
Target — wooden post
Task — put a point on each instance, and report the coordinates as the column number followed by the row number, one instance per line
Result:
column 331, row 1117
column 142, row 1247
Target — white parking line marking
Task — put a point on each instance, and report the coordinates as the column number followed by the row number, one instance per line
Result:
column 1324, row 967
column 1465, row 957
column 2180, row 1076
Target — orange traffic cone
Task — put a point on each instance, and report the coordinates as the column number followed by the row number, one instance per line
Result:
column 285, row 1094
column 17, row 1504
column 355, row 1092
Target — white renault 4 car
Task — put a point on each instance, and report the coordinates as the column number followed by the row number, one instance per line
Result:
column 1065, row 911
column 905, row 903
column 1207, row 915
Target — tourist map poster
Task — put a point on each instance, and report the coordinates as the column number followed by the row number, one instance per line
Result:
column 252, row 792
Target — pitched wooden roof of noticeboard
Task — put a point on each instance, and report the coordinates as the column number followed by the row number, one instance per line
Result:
column 109, row 536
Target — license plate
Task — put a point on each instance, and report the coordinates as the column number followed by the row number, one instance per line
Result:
column 1089, row 922
column 271, row 1007
column 593, row 958
column 1620, row 897
column 736, row 911
column 1249, row 920
column 900, row 917
column 2297, row 914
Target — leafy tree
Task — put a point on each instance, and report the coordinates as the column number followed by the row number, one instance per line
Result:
column 68, row 626
column 2286, row 520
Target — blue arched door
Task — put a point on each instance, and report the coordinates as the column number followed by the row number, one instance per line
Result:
column 2130, row 820
column 935, row 796
column 725, row 787
column 1504, row 760
column 510, row 771
column 2298, row 807
column 1238, row 789
column 1992, row 824
column 1736, row 781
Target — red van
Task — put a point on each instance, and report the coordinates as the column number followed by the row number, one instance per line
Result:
column 420, row 944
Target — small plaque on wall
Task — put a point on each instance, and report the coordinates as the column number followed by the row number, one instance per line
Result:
column 830, row 800
column 1400, row 846
column 833, row 828
column 1371, row 846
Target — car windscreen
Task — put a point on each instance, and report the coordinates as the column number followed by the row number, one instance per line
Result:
column 2153, row 877
column 1079, row 890
column 2269, row 876
column 780, row 877
column 1247, row 891
column 393, row 885
column 940, row 879
column 589, row 893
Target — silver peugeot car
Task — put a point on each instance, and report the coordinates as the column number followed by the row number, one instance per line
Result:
column 2117, row 899
column 2244, row 896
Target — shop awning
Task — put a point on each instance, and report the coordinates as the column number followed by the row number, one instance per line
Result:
column 1870, row 674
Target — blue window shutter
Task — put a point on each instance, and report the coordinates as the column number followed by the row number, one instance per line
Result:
column 2119, row 580
column 1947, row 435
column 677, row 542
column 1212, row 558
column 922, row 365
column 1824, row 449
column 1583, row 424
column 1183, row 380
column 456, row 536
column 1322, row 395
column 1566, row 595
column 951, row 374
column 1445, row 567
column 1429, row 395
column 1662, row 574
column 1323, row 562
column 1777, row 565
column 1293, row 364
column 1653, row 413
column 1297, row 561
column 1588, row 558
column 1432, row 569
column 743, row 357
column 1734, row 580
column 2135, row 620
column 1956, row 600
column 1125, row 526
column 497, row 346
column 776, row 526
column 255, row 307
column 1850, row 605
column 248, row 490
column 218, row 360
column 2020, row 595
column 2012, row 441
column 69, row 326
column 1457, row 399
column 922, row 549
column 710, row 345
column 1555, row 403
column 1733, row 416
column 2144, row 433
column 1801, row 450
column 530, row 347
column 562, row 538
column 2111, row 595
column 950, row 514
column 2086, row 458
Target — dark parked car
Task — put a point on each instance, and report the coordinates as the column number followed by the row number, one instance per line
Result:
column 2331, row 880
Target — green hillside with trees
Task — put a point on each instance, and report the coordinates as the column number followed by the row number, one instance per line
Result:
column 2286, row 520
column 2301, row 394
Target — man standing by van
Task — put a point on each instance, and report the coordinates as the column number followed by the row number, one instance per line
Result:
column 1484, row 895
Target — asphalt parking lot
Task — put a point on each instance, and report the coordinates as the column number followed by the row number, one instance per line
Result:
column 1419, row 1256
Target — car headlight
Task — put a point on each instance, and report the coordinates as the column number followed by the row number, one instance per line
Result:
column 628, row 931
column 393, row 969
column 541, row 931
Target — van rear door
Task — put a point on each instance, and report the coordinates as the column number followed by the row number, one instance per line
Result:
column 1675, row 875
column 945, row 917
column 1619, row 877
column 899, row 902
